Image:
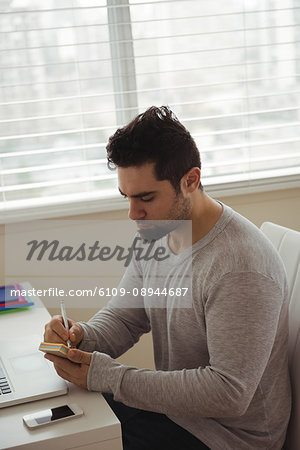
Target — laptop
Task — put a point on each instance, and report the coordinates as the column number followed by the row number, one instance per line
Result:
column 25, row 375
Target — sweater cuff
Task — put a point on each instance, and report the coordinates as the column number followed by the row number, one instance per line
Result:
column 87, row 344
column 105, row 374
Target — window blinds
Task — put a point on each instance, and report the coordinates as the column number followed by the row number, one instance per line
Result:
column 72, row 71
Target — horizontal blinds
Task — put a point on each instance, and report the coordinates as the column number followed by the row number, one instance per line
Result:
column 240, row 65
column 57, row 103
column 73, row 71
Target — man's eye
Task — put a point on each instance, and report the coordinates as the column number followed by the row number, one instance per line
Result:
column 147, row 199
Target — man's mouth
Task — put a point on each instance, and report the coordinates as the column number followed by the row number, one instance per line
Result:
column 144, row 226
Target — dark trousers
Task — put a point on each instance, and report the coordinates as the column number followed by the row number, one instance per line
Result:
column 146, row 430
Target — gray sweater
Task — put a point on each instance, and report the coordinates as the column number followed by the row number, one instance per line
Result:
column 220, row 353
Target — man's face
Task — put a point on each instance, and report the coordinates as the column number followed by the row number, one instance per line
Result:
column 152, row 200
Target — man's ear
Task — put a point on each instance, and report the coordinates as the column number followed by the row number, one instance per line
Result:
column 191, row 180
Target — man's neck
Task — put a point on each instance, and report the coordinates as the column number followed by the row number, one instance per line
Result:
column 204, row 215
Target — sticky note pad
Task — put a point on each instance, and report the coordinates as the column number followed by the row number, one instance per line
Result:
column 54, row 349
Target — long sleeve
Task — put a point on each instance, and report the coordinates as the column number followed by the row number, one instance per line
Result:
column 119, row 325
column 242, row 314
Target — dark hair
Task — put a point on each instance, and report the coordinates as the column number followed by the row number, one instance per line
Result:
column 155, row 136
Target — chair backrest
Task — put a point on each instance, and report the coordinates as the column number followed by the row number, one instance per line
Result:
column 287, row 243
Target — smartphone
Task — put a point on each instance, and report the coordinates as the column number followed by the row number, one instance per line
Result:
column 53, row 415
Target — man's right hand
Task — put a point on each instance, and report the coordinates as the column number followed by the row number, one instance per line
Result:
column 55, row 331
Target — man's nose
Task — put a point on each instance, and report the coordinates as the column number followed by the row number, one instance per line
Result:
column 136, row 211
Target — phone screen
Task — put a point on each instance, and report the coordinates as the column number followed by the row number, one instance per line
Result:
column 50, row 415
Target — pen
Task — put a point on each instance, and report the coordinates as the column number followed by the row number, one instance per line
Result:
column 64, row 315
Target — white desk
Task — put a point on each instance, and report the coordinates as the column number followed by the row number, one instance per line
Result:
column 97, row 429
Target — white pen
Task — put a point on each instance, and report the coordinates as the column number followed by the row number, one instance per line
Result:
column 64, row 316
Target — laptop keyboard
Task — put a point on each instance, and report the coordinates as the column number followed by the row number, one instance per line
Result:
column 4, row 385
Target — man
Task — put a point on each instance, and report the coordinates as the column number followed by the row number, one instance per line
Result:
column 221, row 378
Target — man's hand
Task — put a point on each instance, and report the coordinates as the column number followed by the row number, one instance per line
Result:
column 75, row 369
column 55, row 331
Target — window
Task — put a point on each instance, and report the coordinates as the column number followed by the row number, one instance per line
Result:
column 72, row 71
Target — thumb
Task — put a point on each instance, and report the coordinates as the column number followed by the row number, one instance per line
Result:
column 78, row 356
column 76, row 334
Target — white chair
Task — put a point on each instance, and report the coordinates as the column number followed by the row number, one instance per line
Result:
column 287, row 243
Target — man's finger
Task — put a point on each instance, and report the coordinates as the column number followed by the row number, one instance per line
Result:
column 59, row 328
column 76, row 333
column 75, row 373
column 80, row 379
column 59, row 361
column 79, row 356
column 55, row 330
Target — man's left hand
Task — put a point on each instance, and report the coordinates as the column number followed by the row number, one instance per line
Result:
column 75, row 373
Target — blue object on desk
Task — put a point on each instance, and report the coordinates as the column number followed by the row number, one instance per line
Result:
column 11, row 298
column 6, row 295
column 16, row 306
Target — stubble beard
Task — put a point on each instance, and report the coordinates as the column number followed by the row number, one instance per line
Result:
column 179, row 211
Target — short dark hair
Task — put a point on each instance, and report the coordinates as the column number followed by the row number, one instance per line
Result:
column 155, row 136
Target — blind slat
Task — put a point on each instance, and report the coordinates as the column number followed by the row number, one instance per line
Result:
column 221, row 148
column 217, row 49
column 214, row 149
column 188, row 35
column 61, row 182
column 135, row 22
column 101, row 94
column 90, row 162
column 115, row 6
column 51, row 150
column 82, row 130
column 224, row 82
column 104, row 161
column 56, row 116
column 247, row 130
column 254, row 160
